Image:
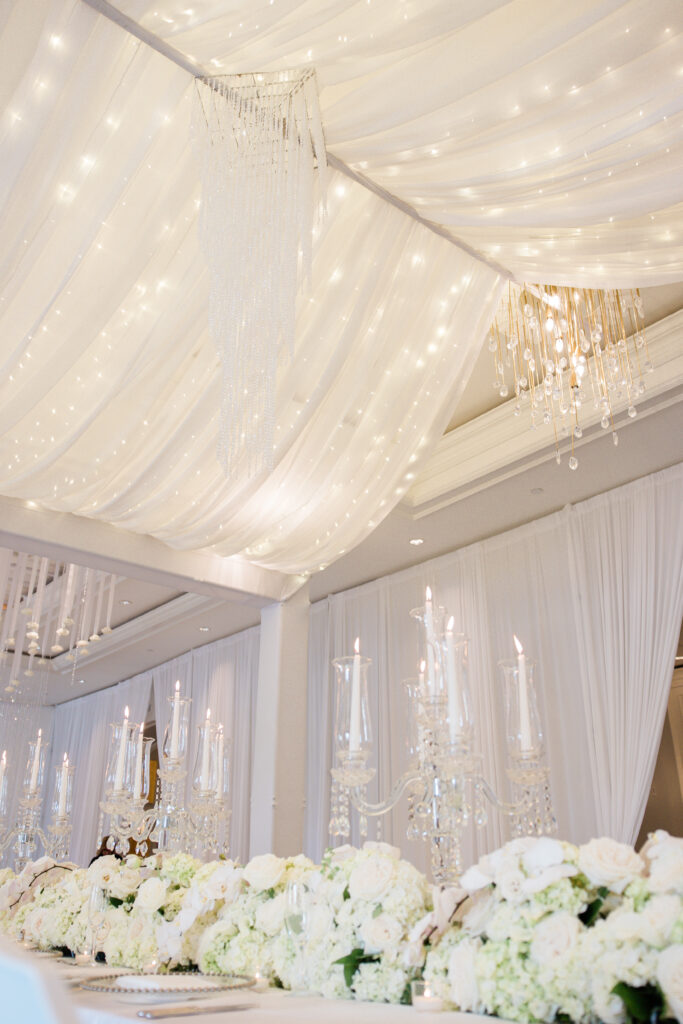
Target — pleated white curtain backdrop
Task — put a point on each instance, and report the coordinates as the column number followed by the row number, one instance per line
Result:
column 222, row 676
column 626, row 560
column 18, row 725
column 81, row 728
column 594, row 592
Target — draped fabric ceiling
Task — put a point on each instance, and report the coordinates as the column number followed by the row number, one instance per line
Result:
column 544, row 137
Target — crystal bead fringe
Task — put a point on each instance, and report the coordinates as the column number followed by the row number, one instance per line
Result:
column 259, row 137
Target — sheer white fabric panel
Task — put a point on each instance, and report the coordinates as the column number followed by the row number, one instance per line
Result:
column 224, row 679
column 627, row 576
column 18, row 725
column 81, row 728
column 546, row 135
column 111, row 384
column 562, row 597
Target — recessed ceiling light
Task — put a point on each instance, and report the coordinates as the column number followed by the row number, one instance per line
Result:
column 416, row 541
column 125, row 601
column 203, row 629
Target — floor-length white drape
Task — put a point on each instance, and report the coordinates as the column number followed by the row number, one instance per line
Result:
column 627, row 579
column 19, row 724
column 81, row 729
column 222, row 676
column 542, row 581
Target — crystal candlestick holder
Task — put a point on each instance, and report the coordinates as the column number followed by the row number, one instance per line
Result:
column 62, row 799
column 353, row 739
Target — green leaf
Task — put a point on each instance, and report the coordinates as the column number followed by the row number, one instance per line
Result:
column 592, row 911
column 406, row 997
column 377, row 911
column 643, row 1003
column 270, row 893
column 352, row 961
column 115, row 901
column 346, row 894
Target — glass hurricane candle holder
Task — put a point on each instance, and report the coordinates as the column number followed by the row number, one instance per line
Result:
column 140, row 768
column 174, row 744
column 431, row 621
column 204, row 779
column 120, row 756
column 222, row 747
column 35, row 767
column 62, row 791
column 522, row 722
column 353, row 726
column 455, row 663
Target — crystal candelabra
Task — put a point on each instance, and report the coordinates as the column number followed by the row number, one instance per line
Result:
column 203, row 826
column 443, row 781
column 27, row 832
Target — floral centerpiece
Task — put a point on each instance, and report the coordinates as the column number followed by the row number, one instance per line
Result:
column 539, row 930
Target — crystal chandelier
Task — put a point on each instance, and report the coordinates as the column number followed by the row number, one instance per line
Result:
column 561, row 350
column 49, row 607
column 444, row 783
column 260, row 140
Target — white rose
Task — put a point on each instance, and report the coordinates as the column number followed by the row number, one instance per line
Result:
column 380, row 933
column 670, row 978
column 265, row 871
column 660, row 915
column 125, row 882
column 342, row 853
column 102, row 870
column 386, row 848
column 462, row 977
column 543, row 854
column 475, row 878
column 151, row 894
column 537, row 883
column 664, row 858
column 224, row 884
column 478, row 911
column 270, row 916
column 320, row 922
column 371, row 877
column 607, row 862
column 510, row 884
column 553, row 936
column 169, row 941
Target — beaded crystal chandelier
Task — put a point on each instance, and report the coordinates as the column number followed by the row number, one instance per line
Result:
column 563, row 350
column 260, row 142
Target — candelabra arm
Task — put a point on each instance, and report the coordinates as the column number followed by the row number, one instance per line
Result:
column 384, row 806
column 504, row 806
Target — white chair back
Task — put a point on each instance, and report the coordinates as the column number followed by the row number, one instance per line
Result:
column 30, row 993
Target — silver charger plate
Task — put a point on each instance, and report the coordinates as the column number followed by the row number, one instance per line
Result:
column 162, row 988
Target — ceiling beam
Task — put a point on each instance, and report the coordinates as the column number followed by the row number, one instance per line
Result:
column 68, row 537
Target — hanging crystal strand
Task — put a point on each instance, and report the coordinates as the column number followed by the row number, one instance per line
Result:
column 73, row 585
column 15, row 673
column 5, row 580
column 110, row 604
column 33, row 627
column 88, row 600
column 28, row 600
column 14, row 602
column 60, row 629
column 101, row 582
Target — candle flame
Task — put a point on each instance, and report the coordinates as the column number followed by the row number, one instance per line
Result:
column 177, row 687
column 423, row 665
column 126, row 713
column 142, row 728
column 356, row 646
column 208, row 714
column 220, row 727
column 428, row 593
column 520, row 649
column 66, row 760
column 40, row 733
column 4, row 757
column 450, row 624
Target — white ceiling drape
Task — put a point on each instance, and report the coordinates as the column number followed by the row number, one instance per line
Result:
column 109, row 390
column 545, row 134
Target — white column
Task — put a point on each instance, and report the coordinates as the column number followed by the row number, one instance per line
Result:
column 279, row 765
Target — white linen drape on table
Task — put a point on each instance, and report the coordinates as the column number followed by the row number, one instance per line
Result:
column 602, row 721
column 19, row 724
column 222, row 676
column 626, row 566
column 81, row 728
